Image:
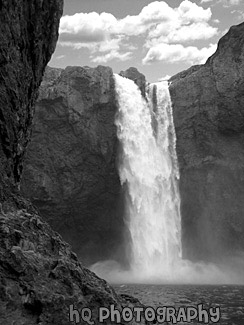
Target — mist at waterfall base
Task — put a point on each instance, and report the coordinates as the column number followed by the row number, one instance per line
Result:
column 149, row 171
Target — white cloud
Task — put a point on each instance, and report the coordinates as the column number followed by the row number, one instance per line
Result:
column 103, row 46
column 60, row 57
column 188, row 33
column 94, row 27
column 159, row 23
column 203, row 1
column 196, row 31
column 190, row 12
column 176, row 53
column 78, row 45
column 95, row 32
column 87, row 27
column 112, row 55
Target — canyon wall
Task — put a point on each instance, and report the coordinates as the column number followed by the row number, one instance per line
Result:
column 70, row 170
column 208, row 106
column 28, row 35
column 71, row 173
column 40, row 277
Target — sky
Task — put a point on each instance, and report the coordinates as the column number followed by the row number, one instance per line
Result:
column 159, row 38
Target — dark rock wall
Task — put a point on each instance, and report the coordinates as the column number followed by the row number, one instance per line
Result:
column 28, row 35
column 70, row 170
column 139, row 78
column 208, row 106
column 40, row 277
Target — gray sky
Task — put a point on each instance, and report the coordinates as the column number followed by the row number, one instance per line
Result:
column 160, row 38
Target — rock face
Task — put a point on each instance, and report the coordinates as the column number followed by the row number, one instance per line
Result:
column 139, row 78
column 208, row 106
column 71, row 173
column 70, row 170
column 28, row 35
column 40, row 277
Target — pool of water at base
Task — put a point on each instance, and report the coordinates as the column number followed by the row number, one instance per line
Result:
column 229, row 298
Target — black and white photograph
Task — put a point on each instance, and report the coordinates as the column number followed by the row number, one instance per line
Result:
column 121, row 162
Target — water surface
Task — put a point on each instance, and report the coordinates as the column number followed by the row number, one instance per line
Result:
column 230, row 299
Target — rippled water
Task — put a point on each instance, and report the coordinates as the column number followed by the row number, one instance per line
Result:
column 230, row 299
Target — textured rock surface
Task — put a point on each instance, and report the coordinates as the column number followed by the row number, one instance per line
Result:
column 28, row 35
column 70, row 170
column 208, row 104
column 40, row 277
column 139, row 78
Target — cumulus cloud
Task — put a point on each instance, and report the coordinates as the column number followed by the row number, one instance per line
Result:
column 157, row 22
column 97, row 27
column 170, row 41
column 112, row 55
column 109, row 45
column 184, row 34
column 175, row 53
column 87, row 26
column 190, row 12
column 95, row 32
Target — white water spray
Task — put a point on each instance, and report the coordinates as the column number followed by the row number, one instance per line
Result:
column 149, row 171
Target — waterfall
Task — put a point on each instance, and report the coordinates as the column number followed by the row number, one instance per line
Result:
column 149, row 171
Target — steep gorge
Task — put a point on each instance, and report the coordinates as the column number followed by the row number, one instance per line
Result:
column 61, row 176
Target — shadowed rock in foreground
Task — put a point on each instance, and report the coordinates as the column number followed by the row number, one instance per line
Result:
column 40, row 277
column 28, row 35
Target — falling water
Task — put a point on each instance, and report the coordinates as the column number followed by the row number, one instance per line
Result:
column 149, row 171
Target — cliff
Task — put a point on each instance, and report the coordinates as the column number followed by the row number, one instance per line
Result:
column 70, row 170
column 208, row 107
column 71, row 175
column 138, row 78
column 40, row 277
column 28, row 35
